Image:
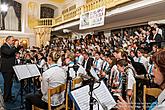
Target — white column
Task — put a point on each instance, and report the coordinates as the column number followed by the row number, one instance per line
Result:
column 24, row 16
column 26, row 28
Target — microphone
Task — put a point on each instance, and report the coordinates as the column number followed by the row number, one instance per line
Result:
column 75, row 68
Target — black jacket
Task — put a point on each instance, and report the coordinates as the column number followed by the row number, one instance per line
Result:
column 158, row 40
column 7, row 57
column 88, row 65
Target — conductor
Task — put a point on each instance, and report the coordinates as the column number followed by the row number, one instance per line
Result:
column 8, row 50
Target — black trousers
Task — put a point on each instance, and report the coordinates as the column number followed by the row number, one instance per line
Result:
column 8, row 81
column 35, row 99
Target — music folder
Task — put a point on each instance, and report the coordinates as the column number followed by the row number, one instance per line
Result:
column 81, row 97
column 26, row 71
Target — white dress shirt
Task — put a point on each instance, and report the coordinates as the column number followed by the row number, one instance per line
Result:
column 80, row 59
column 105, row 65
column 42, row 64
column 131, row 79
column 72, row 72
column 53, row 77
column 98, row 63
column 142, row 60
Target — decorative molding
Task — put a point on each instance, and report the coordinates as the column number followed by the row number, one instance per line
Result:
column 42, row 35
column 58, row 1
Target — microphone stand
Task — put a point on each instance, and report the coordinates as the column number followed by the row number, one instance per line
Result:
column 69, row 78
column 91, row 102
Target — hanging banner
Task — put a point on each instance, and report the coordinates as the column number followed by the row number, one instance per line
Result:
column 92, row 18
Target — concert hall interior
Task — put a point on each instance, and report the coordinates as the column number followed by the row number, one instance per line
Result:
column 82, row 55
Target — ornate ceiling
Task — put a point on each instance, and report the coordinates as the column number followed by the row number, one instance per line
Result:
column 57, row 1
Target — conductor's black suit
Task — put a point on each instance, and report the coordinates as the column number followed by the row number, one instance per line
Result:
column 7, row 63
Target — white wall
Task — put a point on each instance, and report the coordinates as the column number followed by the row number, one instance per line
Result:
column 69, row 3
column 19, row 35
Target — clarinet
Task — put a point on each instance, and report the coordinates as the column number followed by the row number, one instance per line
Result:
column 124, row 85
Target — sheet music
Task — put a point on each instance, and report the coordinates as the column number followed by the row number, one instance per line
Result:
column 104, row 96
column 33, row 70
column 18, row 76
column 21, row 71
column 26, row 71
column 94, row 74
column 82, row 98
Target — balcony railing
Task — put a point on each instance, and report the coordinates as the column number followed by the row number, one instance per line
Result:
column 45, row 22
column 75, row 14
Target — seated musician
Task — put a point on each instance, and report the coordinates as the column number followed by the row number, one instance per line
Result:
column 159, row 78
column 141, row 58
column 41, row 62
column 126, row 79
column 71, row 64
column 52, row 77
column 105, row 74
column 75, row 70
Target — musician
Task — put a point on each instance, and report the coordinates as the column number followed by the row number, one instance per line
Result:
column 18, row 59
column 105, row 74
column 98, row 62
column 159, row 78
column 132, row 56
column 120, row 54
column 8, row 50
column 79, row 57
column 52, row 77
column 157, row 39
column 105, row 63
column 41, row 63
column 88, row 62
column 141, row 58
column 81, row 40
column 28, row 59
column 125, row 86
column 70, row 63
column 114, row 76
column 154, row 49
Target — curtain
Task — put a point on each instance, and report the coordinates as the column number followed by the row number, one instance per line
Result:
column 11, row 20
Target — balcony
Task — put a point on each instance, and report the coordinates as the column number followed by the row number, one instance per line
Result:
column 75, row 14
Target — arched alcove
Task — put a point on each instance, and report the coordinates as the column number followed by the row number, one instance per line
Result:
column 48, row 11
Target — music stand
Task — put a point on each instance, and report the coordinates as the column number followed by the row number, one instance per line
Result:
column 81, row 97
column 25, row 72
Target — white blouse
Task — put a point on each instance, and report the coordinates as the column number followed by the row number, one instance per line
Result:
column 161, row 101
